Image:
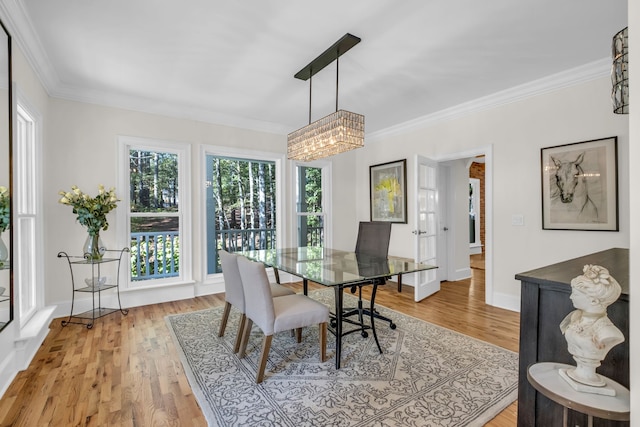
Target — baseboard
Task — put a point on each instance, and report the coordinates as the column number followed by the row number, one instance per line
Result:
column 506, row 301
column 461, row 274
column 210, row 287
column 18, row 347
column 128, row 298
column 8, row 370
column 32, row 335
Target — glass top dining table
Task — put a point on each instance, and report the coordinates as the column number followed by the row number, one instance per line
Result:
column 334, row 268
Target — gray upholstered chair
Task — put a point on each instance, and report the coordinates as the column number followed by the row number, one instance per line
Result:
column 274, row 315
column 234, row 295
column 372, row 248
column 373, row 240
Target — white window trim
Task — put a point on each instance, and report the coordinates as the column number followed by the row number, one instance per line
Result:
column 183, row 150
column 34, row 254
column 327, row 207
column 214, row 150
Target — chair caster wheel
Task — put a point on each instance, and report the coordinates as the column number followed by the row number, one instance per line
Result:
column 333, row 323
column 392, row 325
column 364, row 334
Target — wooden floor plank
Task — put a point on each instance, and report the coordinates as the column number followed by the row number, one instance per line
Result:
column 126, row 370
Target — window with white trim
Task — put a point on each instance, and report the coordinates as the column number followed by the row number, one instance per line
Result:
column 27, row 222
column 242, row 192
column 157, row 205
column 309, row 210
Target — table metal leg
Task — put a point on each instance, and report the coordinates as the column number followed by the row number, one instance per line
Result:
column 339, row 293
column 372, row 316
column 400, row 282
column 305, row 286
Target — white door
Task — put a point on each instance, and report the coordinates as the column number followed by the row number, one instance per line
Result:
column 426, row 226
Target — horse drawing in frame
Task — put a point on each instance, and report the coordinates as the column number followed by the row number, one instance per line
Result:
column 572, row 191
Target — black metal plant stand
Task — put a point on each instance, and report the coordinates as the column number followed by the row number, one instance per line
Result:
column 88, row 317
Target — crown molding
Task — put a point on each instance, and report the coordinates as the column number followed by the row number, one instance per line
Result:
column 17, row 22
column 152, row 106
column 572, row 77
column 15, row 18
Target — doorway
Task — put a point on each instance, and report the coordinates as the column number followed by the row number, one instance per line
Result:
column 455, row 225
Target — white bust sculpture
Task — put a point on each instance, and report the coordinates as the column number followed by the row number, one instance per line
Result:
column 588, row 331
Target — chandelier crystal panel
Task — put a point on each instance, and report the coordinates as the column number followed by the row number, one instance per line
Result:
column 336, row 133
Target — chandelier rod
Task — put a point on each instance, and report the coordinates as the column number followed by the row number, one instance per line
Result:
column 337, row 74
column 310, row 79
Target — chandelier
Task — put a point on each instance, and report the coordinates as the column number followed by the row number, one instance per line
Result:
column 336, row 133
column 620, row 72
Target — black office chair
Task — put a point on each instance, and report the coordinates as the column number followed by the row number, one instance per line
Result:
column 372, row 245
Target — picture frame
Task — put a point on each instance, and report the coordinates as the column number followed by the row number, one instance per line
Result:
column 388, row 191
column 580, row 186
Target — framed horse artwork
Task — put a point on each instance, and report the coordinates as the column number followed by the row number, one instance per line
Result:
column 580, row 186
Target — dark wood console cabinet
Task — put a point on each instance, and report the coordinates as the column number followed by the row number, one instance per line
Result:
column 544, row 303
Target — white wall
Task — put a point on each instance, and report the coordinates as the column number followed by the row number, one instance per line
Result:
column 80, row 149
column 345, row 197
column 516, row 132
column 18, row 345
column 634, row 159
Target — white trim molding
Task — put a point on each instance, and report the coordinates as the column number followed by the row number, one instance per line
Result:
column 591, row 71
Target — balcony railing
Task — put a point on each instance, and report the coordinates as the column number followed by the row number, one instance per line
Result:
column 156, row 255
column 253, row 238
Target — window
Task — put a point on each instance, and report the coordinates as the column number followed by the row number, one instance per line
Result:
column 241, row 206
column 27, row 222
column 309, row 210
column 157, row 214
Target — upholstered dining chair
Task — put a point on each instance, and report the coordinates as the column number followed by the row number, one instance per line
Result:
column 234, row 295
column 274, row 315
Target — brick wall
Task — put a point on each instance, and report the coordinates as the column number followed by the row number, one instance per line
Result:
column 476, row 170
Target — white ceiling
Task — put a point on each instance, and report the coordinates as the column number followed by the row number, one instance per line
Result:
column 232, row 62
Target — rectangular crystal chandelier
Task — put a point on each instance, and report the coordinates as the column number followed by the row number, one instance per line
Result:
column 334, row 134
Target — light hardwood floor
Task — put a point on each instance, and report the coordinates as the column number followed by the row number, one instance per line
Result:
column 126, row 371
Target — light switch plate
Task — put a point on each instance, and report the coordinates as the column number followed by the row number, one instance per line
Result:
column 517, row 220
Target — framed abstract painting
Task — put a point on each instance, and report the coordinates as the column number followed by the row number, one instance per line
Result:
column 388, row 191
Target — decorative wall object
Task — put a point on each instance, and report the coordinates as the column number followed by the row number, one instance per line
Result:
column 580, row 186
column 388, row 191
column 620, row 72
column 590, row 334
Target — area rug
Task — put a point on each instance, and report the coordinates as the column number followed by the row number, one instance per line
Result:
column 426, row 376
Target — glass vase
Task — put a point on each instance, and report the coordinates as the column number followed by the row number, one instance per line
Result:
column 4, row 252
column 93, row 249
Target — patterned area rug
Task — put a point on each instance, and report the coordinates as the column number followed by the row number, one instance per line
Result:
column 427, row 375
